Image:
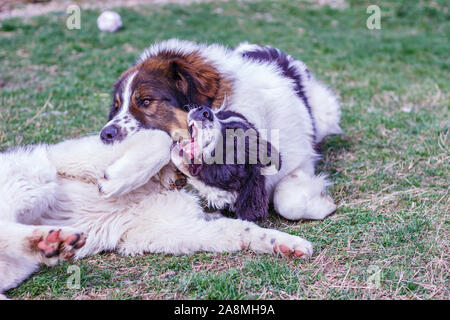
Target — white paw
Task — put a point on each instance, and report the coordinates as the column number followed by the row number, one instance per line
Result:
column 292, row 246
column 302, row 207
column 113, row 187
column 303, row 196
column 321, row 207
column 119, row 180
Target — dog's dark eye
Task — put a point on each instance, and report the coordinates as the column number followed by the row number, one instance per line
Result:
column 146, row 102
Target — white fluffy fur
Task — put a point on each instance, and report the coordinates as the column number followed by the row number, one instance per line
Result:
column 268, row 100
column 50, row 187
column 57, row 187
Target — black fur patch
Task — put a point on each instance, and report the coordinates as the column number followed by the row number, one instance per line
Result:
column 269, row 54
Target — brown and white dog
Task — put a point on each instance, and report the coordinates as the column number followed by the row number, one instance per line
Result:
column 273, row 91
column 50, row 204
column 51, row 208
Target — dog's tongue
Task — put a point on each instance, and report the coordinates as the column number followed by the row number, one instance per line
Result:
column 194, row 169
column 192, row 149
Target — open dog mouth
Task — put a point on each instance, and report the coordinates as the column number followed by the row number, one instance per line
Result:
column 193, row 130
column 191, row 150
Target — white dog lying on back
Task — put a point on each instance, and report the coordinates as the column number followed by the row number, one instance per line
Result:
column 51, row 207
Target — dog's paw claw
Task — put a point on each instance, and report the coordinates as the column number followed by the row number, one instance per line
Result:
column 298, row 253
column 295, row 249
column 55, row 243
column 73, row 239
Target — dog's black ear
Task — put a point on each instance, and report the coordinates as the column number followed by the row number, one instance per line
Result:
column 253, row 201
column 265, row 153
column 268, row 157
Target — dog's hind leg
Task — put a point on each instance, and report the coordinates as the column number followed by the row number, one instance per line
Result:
column 325, row 109
column 301, row 195
column 24, row 247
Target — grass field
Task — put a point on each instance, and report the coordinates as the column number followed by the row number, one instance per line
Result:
column 389, row 238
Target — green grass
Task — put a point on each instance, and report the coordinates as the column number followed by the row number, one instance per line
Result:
column 390, row 169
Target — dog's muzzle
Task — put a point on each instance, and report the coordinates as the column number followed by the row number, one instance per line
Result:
column 201, row 113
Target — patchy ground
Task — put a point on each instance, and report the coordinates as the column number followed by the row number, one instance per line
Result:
column 389, row 238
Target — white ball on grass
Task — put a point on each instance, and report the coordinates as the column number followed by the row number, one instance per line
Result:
column 109, row 21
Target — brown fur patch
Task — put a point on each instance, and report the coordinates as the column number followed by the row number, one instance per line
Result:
column 171, row 80
column 85, row 179
column 225, row 90
column 33, row 240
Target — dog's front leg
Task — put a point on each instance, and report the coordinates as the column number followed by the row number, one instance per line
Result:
column 176, row 224
column 144, row 155
column 235, row 234
column 215, row 235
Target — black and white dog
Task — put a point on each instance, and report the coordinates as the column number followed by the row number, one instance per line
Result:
column 271, row 89
column 226, row 154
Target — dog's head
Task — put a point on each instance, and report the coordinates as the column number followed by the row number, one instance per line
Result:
column 205, row 130
column 223, row 152
column 155, row 92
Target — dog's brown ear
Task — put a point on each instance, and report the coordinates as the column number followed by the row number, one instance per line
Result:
column 197, row 80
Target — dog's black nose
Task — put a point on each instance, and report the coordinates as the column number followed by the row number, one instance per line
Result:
column 202, row 113
column 109, row 134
